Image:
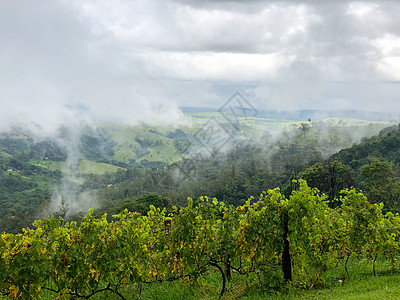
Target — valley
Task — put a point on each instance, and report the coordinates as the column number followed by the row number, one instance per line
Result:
column 103, row 166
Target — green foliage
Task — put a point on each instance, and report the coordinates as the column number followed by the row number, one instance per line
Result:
column 330, row 177
column 381, row 182
column 384, row 146
column 99, row 256
column 141, row 204
column 23, row 192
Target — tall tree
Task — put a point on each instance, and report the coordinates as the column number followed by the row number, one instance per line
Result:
column 381, row 183
column 330, row 177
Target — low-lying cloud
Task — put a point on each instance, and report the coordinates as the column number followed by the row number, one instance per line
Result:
column 135, row 61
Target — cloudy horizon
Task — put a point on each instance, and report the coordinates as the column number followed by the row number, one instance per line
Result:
column 141, row 60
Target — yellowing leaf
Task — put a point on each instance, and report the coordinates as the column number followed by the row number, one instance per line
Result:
column 14, row 291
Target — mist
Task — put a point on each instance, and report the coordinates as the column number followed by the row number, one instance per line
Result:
column 134, row 62
column 72, row 64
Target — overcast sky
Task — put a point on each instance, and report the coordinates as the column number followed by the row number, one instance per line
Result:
column 141, row 60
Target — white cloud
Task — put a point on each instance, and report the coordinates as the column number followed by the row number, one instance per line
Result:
column 390, row 66
column 360, row 9
column 234, row 67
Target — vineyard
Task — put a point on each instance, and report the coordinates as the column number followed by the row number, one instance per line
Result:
column 284, row 241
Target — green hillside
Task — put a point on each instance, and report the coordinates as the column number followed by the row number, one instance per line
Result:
column 373, row 165
column 112, row 163
column 136, row 144
column 112, row 168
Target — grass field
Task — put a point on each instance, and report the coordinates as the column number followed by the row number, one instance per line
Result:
column 48, row 164
column 161, row 149
column 85, row 166
column 362, row 284
column 91, row 167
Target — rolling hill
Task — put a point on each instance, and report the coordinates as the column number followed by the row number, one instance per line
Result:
column 36, row 172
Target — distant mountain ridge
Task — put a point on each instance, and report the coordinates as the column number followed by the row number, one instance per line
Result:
column 303, row 115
